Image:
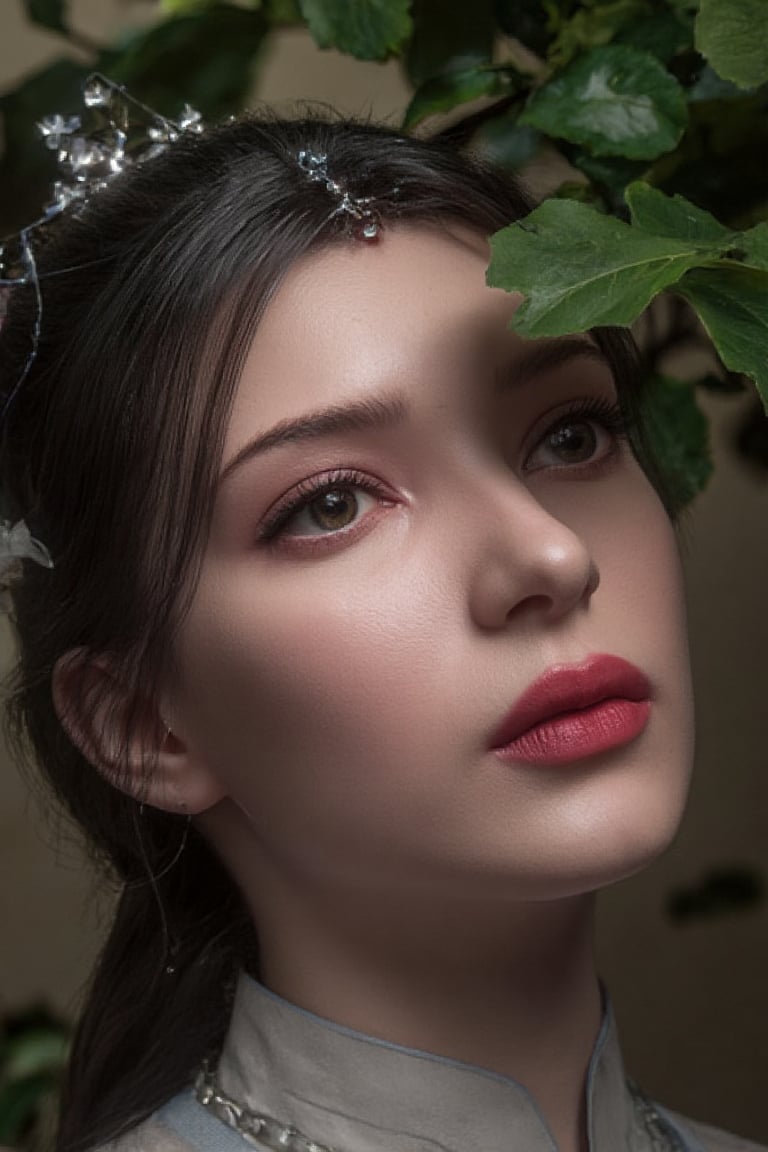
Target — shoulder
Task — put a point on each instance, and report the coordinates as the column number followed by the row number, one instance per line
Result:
column 152, row 1135
column 710, row 1139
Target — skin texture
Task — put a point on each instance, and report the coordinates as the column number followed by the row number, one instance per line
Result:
column 335, row 692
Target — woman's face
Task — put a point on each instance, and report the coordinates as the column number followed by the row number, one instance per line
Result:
column 420, row 515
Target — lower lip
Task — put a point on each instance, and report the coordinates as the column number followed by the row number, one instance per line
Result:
column 577, row 735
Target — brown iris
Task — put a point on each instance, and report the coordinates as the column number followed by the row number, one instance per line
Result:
column 334, row 509
column 574, row 441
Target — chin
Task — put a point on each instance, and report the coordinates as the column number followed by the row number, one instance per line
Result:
column 630, row 848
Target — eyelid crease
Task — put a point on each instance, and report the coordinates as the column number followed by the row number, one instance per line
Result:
column 307, row 490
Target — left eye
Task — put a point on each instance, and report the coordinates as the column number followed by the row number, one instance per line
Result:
column 573, row 441
column 578, row 438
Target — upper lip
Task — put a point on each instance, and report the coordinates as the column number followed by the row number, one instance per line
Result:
column 566, row 687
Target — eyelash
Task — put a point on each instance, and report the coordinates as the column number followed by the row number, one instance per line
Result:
column 601, row 410
column 309, row 490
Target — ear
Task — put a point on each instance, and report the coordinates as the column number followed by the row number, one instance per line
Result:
column 126, row 739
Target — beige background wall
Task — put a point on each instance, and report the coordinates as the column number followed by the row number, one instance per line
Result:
column 692, row 999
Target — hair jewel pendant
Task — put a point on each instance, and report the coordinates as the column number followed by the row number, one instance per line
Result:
column 315, row 165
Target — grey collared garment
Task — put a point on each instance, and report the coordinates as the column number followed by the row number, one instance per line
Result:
column 354, row 1093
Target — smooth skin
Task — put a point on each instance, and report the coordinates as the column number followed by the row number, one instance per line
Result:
column 348, row 656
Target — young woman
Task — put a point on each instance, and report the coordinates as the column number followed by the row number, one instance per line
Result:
column 361, row 663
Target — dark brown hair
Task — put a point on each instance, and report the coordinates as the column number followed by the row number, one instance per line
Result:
column 110, row 450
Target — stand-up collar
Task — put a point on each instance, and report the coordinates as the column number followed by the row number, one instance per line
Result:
column 346, row 1090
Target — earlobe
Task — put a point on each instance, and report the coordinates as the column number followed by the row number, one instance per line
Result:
column 126, row 739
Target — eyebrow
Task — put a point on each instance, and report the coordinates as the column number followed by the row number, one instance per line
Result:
column 377, row 412
column 541, row 358
column 388, row 411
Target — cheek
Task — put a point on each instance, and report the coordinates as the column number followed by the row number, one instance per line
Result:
column 644, row 569
column 644, row 596
column 300, row 694
column 643, row 608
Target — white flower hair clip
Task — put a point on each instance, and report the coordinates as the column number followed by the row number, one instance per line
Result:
column 17, row 543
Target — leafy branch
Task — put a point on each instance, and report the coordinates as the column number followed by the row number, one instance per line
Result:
column 654, row 110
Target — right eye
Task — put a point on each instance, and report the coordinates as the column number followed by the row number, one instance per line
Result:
column 324, row 508
column 331, row 509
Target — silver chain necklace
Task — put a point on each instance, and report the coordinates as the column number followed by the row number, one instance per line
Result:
column 257, row 1128
column 264, row 1131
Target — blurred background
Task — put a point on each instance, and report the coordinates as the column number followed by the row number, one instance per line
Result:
column 684, row 947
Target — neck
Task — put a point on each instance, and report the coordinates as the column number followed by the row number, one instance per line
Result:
column 509, row 988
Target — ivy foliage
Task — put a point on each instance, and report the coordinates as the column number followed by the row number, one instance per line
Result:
column 33, row 1051
column 655, row 111
column 578, row 268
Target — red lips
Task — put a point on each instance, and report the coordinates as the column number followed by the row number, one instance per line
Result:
column 575, row 711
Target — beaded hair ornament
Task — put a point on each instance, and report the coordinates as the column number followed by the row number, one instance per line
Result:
column 114, row 132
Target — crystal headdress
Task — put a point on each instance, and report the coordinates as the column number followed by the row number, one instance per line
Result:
column 114, row 131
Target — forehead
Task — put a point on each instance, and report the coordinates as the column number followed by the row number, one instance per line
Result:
column 357, row 317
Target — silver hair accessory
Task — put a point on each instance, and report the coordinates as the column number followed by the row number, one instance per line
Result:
column 315, row 165
column 120, row 131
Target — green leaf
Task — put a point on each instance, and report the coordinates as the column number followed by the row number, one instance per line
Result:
column 526, row 21
column 578, row 268
column 577, row 190
column 616, row 101
column 442, row 93
column 592, row 25
column 674, row 216
column 663, row 34
column 611, row 174
column 720, row 161
column 48, row 13
column 733, row 36
column 367, row 29
column 282, row 11
column 34, row 1053
column 732, row 304
column 449, row 37
column 182, row 7
column 173, row 61
column 505, row 143
column 679, row 435
column 20, row 1104
column 754, row 247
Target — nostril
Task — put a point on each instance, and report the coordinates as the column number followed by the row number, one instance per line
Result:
column 534, row 573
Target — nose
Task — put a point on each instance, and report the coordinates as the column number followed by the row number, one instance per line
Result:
column 528, row 561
